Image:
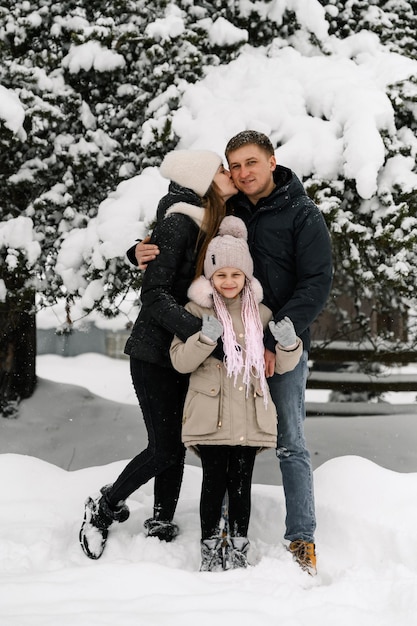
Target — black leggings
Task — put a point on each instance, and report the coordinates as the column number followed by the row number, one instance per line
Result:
column 161, row 393
column 226, row 468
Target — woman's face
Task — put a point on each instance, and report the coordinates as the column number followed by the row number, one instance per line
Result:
column 224, row 183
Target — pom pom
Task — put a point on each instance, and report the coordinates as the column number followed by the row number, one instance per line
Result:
column 233, row 226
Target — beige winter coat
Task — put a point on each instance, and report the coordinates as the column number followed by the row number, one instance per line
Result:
column 216, row 411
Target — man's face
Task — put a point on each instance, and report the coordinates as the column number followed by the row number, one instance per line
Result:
column 251, row 169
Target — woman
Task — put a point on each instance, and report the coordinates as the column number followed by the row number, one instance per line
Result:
column 194, row 208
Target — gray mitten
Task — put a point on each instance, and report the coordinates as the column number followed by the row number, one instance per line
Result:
column 211, row 328
column 283, row 332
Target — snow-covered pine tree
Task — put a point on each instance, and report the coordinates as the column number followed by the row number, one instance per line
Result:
column 394, row 21
column 84, row 78
column 375, row 241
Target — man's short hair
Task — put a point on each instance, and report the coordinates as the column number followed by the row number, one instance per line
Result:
column 247, row 137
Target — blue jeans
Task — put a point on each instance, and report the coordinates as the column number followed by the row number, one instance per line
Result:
column 288, row 394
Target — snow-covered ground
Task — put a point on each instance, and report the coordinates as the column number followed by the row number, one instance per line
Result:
column 366, row 539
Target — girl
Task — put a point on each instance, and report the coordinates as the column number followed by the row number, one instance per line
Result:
column 195, row 206
column 228, row 413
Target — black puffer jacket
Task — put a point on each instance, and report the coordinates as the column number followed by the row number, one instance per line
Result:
column 290, row 245
column 166, row 281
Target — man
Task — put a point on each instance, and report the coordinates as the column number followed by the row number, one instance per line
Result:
column 290, row 245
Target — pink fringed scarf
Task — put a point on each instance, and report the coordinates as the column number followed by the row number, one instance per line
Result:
column 252, row 362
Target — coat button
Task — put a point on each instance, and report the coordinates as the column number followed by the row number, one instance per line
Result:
column 213, row 391
column 240, row 388
column 241, row 438
column 241, row 335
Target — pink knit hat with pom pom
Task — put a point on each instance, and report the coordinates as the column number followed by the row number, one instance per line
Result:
column 229, row 248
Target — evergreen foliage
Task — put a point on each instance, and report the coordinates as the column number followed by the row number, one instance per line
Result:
column 84, row 132
column 85, row 125
column 394, row 21
column 375, row 241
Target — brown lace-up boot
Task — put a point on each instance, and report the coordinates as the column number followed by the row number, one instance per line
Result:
column 304, row 553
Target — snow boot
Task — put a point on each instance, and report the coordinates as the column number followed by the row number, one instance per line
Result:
column 212, row 554
column 238, row 552
column 98, row 516
column 304, row 553
column 163, row 529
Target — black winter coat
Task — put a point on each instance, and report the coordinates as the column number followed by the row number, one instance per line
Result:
column 290, row 246
column 165, row 284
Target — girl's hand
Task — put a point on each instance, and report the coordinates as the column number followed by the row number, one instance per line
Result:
column 269, row 363
column 284, row 332
column 211, row 328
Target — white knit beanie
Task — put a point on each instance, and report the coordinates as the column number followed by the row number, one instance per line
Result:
column 194, row 169
column 229, row 248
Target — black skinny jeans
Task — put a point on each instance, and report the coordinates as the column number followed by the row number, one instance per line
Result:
column 161, row 393
column 226, row 468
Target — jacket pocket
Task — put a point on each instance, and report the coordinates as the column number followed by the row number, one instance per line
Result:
column 266, row 417
column 201, row 408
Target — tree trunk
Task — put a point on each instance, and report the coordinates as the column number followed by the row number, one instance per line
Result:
column 17, row 354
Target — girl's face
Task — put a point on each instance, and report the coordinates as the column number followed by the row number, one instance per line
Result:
column 224, row 183
column 228, row 281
